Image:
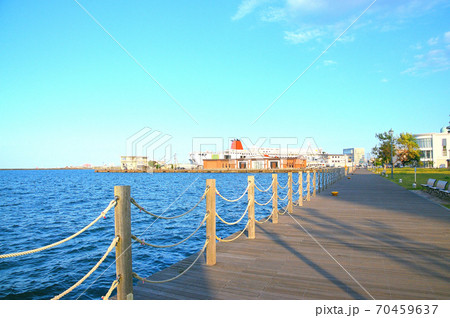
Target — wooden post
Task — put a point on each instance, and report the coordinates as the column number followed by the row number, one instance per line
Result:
column 300, row 186
column 308, row 186
column 275, row 198
column 318, row 180
column 124, row 266
column 290, row 209
column 211, row 222
column 251, row 207
column 323, row 179
column 314, row 184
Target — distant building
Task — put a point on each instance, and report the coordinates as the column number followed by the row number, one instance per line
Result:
column 434, row 148
column 336, row 160
column 355, row 155
column 255, row 157
column 255, row 163
column 134, row 162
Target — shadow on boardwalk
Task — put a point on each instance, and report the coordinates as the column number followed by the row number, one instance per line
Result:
column 393, row 242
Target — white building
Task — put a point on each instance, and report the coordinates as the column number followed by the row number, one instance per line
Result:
column 133, row 162
column 312, row 154
column 434, row 148
column 337, row 160
column 355, row 155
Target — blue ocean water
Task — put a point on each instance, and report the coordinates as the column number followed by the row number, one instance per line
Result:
column 40, row 207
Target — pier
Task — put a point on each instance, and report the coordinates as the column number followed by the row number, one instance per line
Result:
column 119, row 170
column 371, row 239
column 375, row 240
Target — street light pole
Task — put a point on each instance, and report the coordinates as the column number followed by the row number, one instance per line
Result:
column 391, row 133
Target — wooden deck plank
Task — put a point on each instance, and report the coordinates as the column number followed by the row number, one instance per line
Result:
column 395, row 243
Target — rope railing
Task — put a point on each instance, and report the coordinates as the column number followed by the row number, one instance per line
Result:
column 175, row 244
column 256, row 187
column 280, row 199
column 262, row 204
column 285, row 210
column 103, row 214
column 114, row 285
column 267, row 218
column 179, row 275
column 234, row 238
column 235, row 222
column 122, row 202
column 210, row 218
column 111, row 246
column 279, row 185
column 232, row 200
column 133, row 201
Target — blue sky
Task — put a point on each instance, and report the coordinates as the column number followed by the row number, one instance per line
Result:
column 73, row 92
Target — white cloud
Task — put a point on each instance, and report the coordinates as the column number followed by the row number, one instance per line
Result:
column 247, row 7
column 305, row 5
column 433, row 41
column 435, row 59
column 302, row 36
column 384, row 80
column 305, row 20
column 273, row 15
column 346, row 38
column 447, row 37
column 329, row 62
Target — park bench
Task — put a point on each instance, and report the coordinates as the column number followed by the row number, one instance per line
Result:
column 430, row 183
column 440, row 188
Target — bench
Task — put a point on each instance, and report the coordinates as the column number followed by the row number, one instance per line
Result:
column 440, row 188
column 430, row 183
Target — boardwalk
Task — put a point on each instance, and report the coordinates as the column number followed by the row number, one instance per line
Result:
column 394, row 243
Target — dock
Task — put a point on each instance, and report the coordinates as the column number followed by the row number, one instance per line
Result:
column 375, row 240
column 119, row 170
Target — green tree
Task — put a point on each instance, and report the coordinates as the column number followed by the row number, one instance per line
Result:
column 382, row 152
column 408, row 150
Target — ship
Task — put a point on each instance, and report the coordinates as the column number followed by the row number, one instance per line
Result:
column 260, row 157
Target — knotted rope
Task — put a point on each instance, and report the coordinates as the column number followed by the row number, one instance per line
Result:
column 169, row 217
column 103, row 214
column 236, row 222
column 234, row 238
column 172, row 245
column 232, row 200
column 173, row 278
column 113, row 244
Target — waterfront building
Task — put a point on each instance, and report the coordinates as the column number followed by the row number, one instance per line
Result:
column 337, row 160
column 253, row 158
column 134, row 163
column 434, row 150
column 355, row 155
column 255, row 163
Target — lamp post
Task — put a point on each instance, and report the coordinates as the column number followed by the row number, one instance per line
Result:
column 391, row 133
